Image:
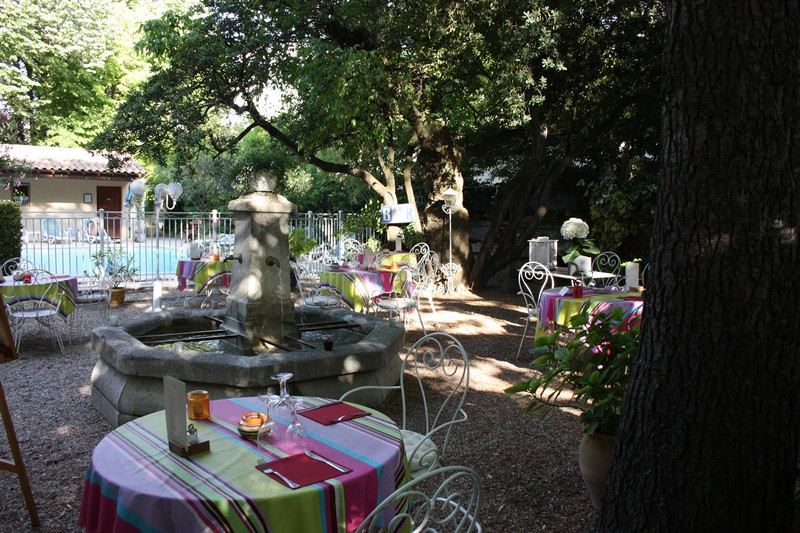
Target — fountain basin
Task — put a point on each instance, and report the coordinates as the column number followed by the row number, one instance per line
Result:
column 127, row 381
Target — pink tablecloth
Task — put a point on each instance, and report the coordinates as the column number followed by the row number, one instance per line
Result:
column 556, row 308
column 135, row 484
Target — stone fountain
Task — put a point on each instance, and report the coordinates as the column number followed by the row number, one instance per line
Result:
column 259, row 332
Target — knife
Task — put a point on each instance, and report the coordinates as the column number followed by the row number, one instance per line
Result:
column 329, row 463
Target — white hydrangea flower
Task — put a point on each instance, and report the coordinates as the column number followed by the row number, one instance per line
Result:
column 574, row 228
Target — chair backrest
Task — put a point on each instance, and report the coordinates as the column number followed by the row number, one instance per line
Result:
column 16, row 264
column 421, row 250
column 351, row 247
column 439, row 370
column 51, row 229
column 607, row 262
column 444, row 499
column 533, row 279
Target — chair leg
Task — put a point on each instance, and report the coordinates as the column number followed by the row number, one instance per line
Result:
column 522, row 341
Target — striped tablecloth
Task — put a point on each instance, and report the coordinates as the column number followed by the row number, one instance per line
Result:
column 18, row 291
column 203, row 272
column 357, row 285
column 559, row 308
column 135, row 484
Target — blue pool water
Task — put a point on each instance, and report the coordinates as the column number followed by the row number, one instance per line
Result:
column 75, row 259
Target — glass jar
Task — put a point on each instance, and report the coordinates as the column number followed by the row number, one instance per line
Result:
column 198, row 404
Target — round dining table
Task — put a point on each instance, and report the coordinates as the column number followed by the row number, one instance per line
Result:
column 134, row 482
column 557, row 306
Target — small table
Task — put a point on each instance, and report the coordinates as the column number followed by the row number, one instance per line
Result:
column 135, row 483
column 557, row 308
column 203, row 272
column 17, row 291
column 358, row 285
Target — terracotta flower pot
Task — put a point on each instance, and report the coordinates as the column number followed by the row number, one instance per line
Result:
column 594, row 457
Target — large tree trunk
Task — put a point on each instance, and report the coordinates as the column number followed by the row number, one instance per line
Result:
column 709, row 434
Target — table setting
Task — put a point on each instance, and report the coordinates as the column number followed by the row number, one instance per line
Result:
column 273, row 463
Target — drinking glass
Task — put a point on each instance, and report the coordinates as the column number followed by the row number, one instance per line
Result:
column 268, row 432
column 295, row 434
column 280, row 407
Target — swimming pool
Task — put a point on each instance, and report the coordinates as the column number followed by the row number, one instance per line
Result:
column 76, row 258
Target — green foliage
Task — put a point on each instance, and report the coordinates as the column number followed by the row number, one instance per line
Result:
column 577, row 247
column 10, row 228
column 593, row 363
column 299, row 243
column 64, row 67
column 622, row 209
column 119, row 265
column 367, row 218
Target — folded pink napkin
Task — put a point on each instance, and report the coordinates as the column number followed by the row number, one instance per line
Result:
column 301, row 469
column 333, row 413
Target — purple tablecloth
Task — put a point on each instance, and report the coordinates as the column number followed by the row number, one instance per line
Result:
column 134, row 483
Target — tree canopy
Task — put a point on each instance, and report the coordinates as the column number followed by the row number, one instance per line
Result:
column 403, row 92
column 66, row 65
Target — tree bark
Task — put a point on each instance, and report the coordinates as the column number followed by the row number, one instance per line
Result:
column 709, row 434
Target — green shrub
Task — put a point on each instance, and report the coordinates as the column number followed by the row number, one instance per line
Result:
column 10, row 228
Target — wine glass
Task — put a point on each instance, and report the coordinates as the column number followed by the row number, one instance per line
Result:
column 295, row 434
column 268, row 431
column 281, row 406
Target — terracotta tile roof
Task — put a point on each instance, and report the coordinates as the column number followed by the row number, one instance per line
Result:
column 54, row 160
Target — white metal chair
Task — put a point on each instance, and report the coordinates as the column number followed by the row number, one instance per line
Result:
column 42, row 307
column 400, row 299
column 444, row 499
column 350, row 248
column 448, row 271
column 605, row 269
column 424, row 277
column 312, row 295
column 16, row 264
column 93, row 291
column 429, row 411
column 533, row 279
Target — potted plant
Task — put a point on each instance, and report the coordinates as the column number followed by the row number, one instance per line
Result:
column 591, row 360
column 117, row 266
column 576, row 243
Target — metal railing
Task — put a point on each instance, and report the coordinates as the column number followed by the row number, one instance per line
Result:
column 65, row 242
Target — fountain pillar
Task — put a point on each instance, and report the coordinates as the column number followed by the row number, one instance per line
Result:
column 260, row 304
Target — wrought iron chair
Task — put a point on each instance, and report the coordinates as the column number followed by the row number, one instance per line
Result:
column 533, row 279
column 421, row 250
column 16, row 264
column 424, row 277
column 93, row 291
column 444, row 499
column 448, row 272
column 312, row 295
column 42, row 307
column 400, row 299
column 605, row 269
column 350, row 248
column 429, row 411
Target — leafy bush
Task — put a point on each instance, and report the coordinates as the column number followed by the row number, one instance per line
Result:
column 10, row 228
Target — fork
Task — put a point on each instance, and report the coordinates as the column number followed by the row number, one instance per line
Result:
column 288, row 481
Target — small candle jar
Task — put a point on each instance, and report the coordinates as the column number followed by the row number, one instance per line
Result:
column 198, row 404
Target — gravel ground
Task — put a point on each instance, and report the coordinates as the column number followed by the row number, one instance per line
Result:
column 528, row 465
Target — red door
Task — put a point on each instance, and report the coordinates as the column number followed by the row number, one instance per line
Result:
column 110, row 199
